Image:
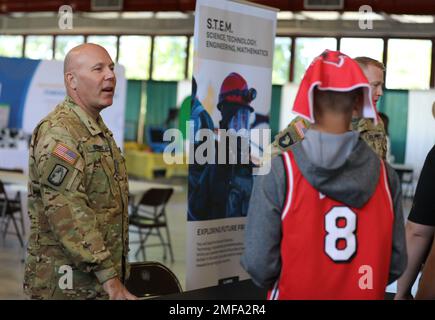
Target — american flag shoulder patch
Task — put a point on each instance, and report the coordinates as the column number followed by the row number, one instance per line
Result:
column 64, row 153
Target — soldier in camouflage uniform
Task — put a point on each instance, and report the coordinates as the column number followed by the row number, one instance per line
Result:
column 78, row 190
column 373, row 134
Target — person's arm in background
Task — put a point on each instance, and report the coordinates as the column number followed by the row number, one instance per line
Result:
column 426, row 289
column 418, row 240
column 398, row 255
column 420, row 227
column 262, row 255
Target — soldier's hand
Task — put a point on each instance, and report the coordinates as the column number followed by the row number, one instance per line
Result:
column 116, row 290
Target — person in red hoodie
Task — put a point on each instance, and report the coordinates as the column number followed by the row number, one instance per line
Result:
column 327, row 222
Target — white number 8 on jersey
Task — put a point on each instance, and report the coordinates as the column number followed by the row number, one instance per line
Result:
column 335, row 233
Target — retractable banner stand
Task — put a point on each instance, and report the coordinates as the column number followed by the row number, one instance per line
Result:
column 228, row 133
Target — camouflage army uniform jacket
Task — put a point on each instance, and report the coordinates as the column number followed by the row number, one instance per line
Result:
column 373, row 135
column 78, row 202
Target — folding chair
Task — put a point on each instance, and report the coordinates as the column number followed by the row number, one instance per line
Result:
column 149, row 279
column 149, row 217
column 8, row 208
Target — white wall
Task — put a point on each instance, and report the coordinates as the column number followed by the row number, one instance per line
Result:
column 288, row 95
column 421, row 128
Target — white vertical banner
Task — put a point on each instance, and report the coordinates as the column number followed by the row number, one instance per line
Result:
column 288, row 95
column 184, row 89
column 421, row 128
column 232, row 71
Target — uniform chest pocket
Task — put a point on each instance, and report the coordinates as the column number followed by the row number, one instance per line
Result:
column 99, row 170
column 98, row 156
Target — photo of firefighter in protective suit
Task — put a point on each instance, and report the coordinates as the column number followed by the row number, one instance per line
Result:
column 201, row 120
column 223, row 189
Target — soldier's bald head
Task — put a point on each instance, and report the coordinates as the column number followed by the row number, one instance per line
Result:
column 89, row 77
column 75, row 56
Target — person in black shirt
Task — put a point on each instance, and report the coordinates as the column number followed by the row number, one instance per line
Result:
column 420, row 233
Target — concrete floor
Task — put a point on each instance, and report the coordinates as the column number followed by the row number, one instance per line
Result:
column 11, row 270
column 11, row 255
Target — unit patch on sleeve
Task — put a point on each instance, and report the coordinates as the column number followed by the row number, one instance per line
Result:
column 285, row 140
column 57, row 175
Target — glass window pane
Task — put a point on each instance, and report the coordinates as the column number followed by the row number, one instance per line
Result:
column 412, row 75
column 39, row 47
column 169, row 56
column 190, row 70
column 11, row 46
column 281, row 60
column 108, row 42
column 306, row 50
column 134, row 55
column 368, row 47
column 65, row 44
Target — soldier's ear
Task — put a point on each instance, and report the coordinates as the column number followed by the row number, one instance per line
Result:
column 71, row 80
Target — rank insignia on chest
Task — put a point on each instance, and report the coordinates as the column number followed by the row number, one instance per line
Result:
column 57, row 175
column 64, row 153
